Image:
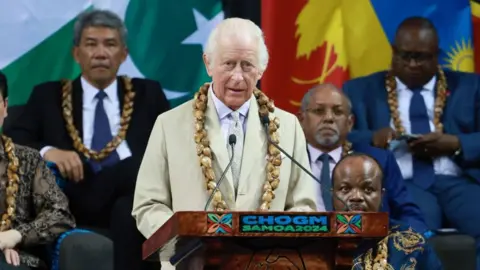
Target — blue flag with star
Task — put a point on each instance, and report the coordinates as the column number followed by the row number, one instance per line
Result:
column 452, row 18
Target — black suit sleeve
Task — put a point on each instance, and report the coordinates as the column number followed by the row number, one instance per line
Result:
column 27, row 129
column 157, row 104
column 119, row 179
column 470, row 148
column 160, row 102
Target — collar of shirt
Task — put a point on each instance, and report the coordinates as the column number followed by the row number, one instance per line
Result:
column 2, row 150
column 223, row 111
column 89, row 91
column 315, row 153
column 430, row 86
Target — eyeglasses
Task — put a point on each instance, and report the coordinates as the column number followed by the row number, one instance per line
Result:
column 321, row 111
column 417, row 56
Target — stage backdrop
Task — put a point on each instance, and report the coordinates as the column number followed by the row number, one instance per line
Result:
column 310, row 41
column 165, row 40
column 316, row 41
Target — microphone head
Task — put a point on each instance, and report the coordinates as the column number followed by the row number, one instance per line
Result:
column 232, row 139
column 265, row 120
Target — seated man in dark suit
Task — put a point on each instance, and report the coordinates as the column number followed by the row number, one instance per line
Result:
column 358, row 186
column 431, row 120
column 326, row 120
column 95, row 129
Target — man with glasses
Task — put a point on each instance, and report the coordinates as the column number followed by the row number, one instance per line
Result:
column 326, row 120
column 430, row 118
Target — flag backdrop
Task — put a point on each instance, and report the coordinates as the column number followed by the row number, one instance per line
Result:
column 316, row 41
column 165, row 41
column 476, row 32
column 310, row 41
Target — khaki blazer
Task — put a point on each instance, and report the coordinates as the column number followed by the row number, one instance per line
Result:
column 170, row 178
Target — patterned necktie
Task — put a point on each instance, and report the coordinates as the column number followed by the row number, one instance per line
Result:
column 423, row 172
column 326, row 181
column 102, row 134
column 236, row 128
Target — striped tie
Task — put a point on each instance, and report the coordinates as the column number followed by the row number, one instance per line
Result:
column 236, row 129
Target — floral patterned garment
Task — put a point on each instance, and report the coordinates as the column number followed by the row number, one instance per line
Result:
column 407, row 250
column 42, row 212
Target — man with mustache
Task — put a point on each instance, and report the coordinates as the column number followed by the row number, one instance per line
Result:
column 95, row 129
column 326, row 120
column 441, row 110
column 358, row 181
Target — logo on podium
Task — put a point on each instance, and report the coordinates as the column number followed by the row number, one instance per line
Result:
column 349, row 224
column 219, row 223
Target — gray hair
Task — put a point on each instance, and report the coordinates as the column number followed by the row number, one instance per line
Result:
column 237, row 27
column 98, row 18
column 306, row 98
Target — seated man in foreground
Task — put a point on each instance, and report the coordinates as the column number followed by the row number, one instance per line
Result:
column 34, row 210
column 358, row 186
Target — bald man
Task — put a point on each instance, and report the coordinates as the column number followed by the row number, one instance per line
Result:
column 358, row 181
column 326, row 120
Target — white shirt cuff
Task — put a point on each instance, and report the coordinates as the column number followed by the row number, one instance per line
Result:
column 44, row 150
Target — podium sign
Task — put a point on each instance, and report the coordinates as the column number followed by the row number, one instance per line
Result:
column 248, row 240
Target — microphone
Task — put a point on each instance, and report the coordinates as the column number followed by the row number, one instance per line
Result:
column 232, row 140
column 184, row 252
column 266, row 123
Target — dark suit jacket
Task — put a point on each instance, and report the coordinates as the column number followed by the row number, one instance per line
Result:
column 397, row 200
column 461, row 116
column 42, row 124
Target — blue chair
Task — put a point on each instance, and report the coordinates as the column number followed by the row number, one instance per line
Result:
column 55, row 253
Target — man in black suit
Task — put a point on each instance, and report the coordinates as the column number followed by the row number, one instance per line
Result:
column 95, row 129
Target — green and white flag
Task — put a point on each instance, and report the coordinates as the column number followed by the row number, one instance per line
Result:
column 165, row 40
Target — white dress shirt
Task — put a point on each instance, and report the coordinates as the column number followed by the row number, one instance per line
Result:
column 442, row 165
column 112, row 108
column 224, row 114
column 316, row 167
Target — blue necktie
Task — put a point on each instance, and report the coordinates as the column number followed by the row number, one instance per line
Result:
column 102, row 134
column 423, row 173
column 326, row 182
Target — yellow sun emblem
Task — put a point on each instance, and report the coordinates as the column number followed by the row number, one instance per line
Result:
column 460, row 57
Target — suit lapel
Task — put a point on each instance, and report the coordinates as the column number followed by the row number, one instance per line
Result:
column 120, row 92
column 121, row 97
column 77, row 105
column 217, row 142
column 451, row 86
column 381, row 110
column 253, row 148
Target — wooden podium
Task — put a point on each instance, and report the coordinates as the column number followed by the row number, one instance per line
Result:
column 265, row 240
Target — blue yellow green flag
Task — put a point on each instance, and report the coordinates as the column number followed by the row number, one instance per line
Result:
column 317, row 41
column 452, row 18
